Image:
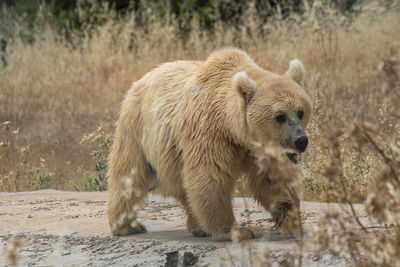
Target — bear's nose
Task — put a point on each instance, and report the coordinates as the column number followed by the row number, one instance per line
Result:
column 301, row 143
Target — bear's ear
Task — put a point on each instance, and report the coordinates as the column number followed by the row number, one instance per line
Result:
column 244, row 86
column 296, row 71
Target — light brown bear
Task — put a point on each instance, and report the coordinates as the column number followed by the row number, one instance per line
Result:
column 186, row 130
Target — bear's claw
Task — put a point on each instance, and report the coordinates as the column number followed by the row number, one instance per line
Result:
column 138, row 228
column 132, row 229
column 200, row 233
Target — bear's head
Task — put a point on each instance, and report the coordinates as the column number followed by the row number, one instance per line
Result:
column 276, row 108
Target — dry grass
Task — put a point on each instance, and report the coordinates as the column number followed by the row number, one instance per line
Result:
column 57, row 89
column 11, row 250
column 341, row 234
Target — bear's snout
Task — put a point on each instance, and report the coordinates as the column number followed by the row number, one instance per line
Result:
column 301, row 143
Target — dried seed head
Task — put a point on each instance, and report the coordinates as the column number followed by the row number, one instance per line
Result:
column 359, row 132
column 2, row 144
column 334, row 140
column 11, row 249
column 382, row 174
column 389, row 74
column 330, row 173
column 376, row 206
column 269, row 154
column 235, row 235
column 317, row 5
column 6, row 125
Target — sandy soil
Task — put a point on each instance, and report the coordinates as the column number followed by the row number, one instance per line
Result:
column 60, row 228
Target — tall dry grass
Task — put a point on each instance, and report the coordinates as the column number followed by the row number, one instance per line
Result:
column 62, row 86
column 345, row 235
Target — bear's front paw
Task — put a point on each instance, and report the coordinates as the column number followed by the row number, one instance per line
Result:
column 130, row 229
column 286, row 218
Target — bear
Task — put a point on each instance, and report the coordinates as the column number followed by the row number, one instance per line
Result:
column 186, row 130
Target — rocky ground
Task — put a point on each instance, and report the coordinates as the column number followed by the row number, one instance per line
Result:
column 58, row 228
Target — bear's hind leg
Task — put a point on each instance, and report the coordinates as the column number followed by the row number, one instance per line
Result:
column 282, row 201
column 124, row 201
column 126, row 196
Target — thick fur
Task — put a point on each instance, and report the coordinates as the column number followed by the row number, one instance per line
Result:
column 185, row 130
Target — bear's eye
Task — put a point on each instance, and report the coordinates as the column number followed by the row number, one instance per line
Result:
column 300, row 114
column 281, row 118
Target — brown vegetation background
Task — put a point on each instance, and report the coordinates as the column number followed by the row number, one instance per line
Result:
column 60, row 87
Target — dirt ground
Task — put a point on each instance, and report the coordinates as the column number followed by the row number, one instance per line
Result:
column 60, row 228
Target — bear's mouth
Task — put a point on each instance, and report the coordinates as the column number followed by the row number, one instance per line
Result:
column 294, row 157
